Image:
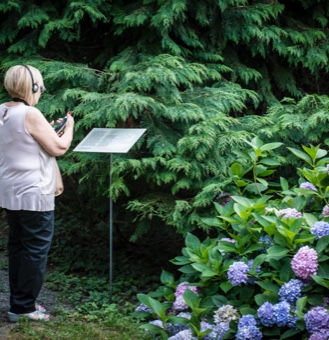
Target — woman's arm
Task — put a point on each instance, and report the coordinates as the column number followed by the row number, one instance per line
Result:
column 40, row 129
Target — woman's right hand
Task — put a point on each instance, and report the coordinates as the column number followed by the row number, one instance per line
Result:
column 70, row 120
column 40, row 129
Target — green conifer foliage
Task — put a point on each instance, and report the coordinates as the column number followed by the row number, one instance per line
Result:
column 200, row 76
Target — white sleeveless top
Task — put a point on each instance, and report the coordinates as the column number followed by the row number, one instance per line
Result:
column 27, row 171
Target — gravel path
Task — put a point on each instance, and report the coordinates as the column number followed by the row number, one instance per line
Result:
column 46, row 298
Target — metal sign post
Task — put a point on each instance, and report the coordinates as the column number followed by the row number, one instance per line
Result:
column 110, row 141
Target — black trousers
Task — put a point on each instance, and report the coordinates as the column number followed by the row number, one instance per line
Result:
column 30, row 237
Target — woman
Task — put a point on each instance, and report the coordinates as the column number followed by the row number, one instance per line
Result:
column 28, row 147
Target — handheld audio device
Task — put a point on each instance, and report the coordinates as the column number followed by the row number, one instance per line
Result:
column 61, row 125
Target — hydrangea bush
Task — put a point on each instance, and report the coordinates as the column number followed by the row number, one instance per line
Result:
column 266, row 274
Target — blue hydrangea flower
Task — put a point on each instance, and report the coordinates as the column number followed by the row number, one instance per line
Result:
column 248, row 332
column 158, row 323
column 278, row 314
column 250, row 263
column 291, row 323
column 247, row 320
column 218, row 330
column 186, row 315
column 291, row 291
column 183, row 335
column 143, row 308
column 265, row 314
column 252, row 279
column 237, row 273
column 174, row 329
column 267, row 241
column 281, row 313
column 320, row 229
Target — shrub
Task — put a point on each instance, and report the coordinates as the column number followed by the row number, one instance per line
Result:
column 266, row 273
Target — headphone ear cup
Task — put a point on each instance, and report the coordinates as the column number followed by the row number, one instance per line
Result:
column 35, row 88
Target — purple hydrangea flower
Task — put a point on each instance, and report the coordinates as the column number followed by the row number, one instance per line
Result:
column 291, row 291
column 308, row 186
column 180, row 303
column 325, row 211
column 320, row 229
column 225, row 197
column 328, row 169
column 266, row 314
column 321, row 334
column 237, row 273
column 316, row 319
column 289, row 213
column 180, row 289
column 304, row 262
column 325, row 302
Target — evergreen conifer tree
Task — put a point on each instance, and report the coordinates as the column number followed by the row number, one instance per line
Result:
column 201, row 76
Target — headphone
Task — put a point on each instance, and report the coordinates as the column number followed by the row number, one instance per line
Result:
column 35, row 87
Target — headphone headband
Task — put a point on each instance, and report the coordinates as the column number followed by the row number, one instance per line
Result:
column 35, row 86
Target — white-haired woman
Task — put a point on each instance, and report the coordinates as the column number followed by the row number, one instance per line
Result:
column 28, row 147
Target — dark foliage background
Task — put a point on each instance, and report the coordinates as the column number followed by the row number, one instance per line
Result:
column 200, row 76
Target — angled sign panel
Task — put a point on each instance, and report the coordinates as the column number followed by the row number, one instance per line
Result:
column 109, row 140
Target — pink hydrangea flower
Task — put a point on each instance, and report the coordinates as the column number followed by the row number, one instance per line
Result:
column 308, row 186
column 325, row 211
column 180, row 303
column 227, row 239
column 304, row 263
column 289, row 213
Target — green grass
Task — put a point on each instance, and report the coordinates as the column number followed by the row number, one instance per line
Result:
column 93, row 316
column 113, row 327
